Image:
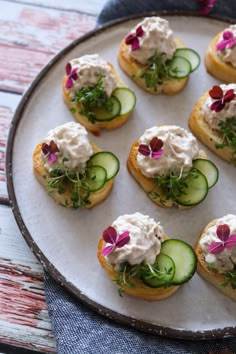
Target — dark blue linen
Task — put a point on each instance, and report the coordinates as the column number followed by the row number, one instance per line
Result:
column 77, row 328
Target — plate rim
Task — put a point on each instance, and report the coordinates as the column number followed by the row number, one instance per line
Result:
column 144, row 326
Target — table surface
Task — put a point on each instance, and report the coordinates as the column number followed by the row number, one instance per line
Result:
column 31, row 33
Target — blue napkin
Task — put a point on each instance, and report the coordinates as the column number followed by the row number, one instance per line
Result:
column 77, row 328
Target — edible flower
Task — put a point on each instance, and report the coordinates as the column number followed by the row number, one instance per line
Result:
column 133, row 39
column 50, row 151
column 154, row 151
column 71, row 75
column 217, row 93
column 206, row 5
column 228, row 41
column 110, row 236
column 226, row 240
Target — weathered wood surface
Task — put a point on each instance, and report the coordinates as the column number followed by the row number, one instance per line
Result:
column 31, row 33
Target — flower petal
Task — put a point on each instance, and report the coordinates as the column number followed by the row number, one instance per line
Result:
column 74, row 76
column 144, row 150
column 109, row 235
column 229, row 95
column 231, row 242
column 223, row 232
column 156, row 144
column 107, row 250
column 139, row 31
column 135, row 44
column 69, row 83
column 68, row 69
column 129, row 39
column 157, row 154
column 217, row 106
column 232, row 43
column 45, row 148
column 52, row 158
column 53, row 146
column 216, row 247
column 216, row 92
column 208, row 5
column 228, row 35
column 123, row 239
column 222, row 44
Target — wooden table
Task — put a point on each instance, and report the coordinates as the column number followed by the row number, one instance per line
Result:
column 31, row 33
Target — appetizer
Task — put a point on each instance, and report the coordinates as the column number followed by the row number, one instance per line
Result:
column 213, row 121
column 142, row 261
column 154, row 59
column 216, row 253
column 169, row 166
column 95, row 94
column 75, row 172
column 220, row 58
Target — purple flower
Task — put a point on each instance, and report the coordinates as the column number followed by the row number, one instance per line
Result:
column 50, row 151
column 227, row 240
column 154, row 151
column 71, row 75
column 133, row 39
column 206, row 5
column 228, row 41
column 217, row 93
column 110, row 236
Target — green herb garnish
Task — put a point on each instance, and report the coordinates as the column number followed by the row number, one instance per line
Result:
column 230, row 278
column 228, row 131
column 92, row 97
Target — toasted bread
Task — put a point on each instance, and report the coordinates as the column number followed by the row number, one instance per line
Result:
column 64, row 199
column 96, row 127
column 202, row 130
column 149, row 184
column 217, row 67
column 211, row 275
column 140, row 290
column 133, row 69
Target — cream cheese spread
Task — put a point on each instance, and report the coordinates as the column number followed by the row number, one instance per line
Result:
column 228, row 55
column 89, row 70
column 213, row 118
column 146, row 236
column 179, row 149
column 72, row 141
column 157, row 38
column 225, row 260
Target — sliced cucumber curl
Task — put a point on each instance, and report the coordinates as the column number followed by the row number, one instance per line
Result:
column 106, row 160
column 184, row 62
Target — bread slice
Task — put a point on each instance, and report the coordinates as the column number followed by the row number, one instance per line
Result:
column 140, row 290
column 64, row 199
column 216, row 67
column 149, row 184
column 133, row 69
column 212, row 276
column 96, row 127
column 202, row 130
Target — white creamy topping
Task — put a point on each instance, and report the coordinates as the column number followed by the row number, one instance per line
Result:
column 157, row 38
column 228, row 55
column 213, row 118
column 90, row 68
column 145, row 239
column 180, row 147
column 225, row 260
column 72, row 141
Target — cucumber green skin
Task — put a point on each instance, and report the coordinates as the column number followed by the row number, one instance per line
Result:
column 199, row 165
column 174, row 64
column 181, row 253
column 119, row 92
column 97, row 158
column 105, row 115
column 187, row 53
column 163, row 261
column 93, row 184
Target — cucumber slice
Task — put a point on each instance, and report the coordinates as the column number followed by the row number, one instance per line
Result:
column 106, row 160
column 184, row 258
column 196, row 189
column 96, row 177
column 209, row 169
column 166, row 271
column 179, row 67
column 103, row 114
column 189, row 54
column 127, row 99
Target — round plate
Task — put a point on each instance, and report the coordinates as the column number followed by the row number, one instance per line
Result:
column 65, row 241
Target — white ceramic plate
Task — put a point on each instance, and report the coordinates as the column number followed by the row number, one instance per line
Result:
column 65, row 240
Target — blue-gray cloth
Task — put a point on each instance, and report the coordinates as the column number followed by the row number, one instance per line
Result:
column 77, row 328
